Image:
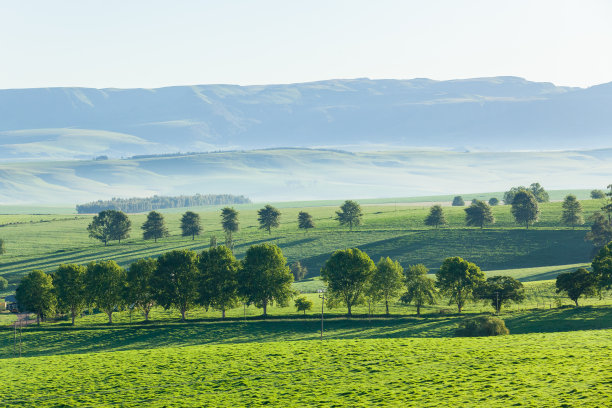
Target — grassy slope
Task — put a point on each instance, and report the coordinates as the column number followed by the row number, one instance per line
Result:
column 45, row 241
column 533, row 370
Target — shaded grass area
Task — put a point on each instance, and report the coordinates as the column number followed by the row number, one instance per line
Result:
column 523, row 370
column 64, row 339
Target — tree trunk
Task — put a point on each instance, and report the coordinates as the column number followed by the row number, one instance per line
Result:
column 38, row 319
column 193, row 237
column 73, row 313
column 576, row 302
column 146, row 313
column 265, row 308
column 387, row 306
column 183, row 314
column 418, row 309
column 155, row 240
column 348, row 305
column 223, row 313
column 110, row 316
column 459, row 307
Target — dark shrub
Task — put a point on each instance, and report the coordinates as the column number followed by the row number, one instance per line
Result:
column 482, row 326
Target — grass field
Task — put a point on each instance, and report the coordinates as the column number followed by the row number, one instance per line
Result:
column 45, row 241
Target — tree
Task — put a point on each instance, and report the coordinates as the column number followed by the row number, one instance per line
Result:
column 435, row 218
column 572, row 211
column 539, row 193
column 602, row 267
column 478, row 214
column 509, row 195
column 154, row 227
column 268, row 217
column 105, row 285
column 70, row 291
column 350, row 214
column 303, row 304
column 597, row 194
column 387, row 280
column 501, row 290
column 607, row 208
column 576, row 284
column 525, row 208
column 347, row 273
column 458, row 201
column 3, row 283
column 190, row 225
column 305, row 221
column 229, row 223
column 601, row 230
column 218, row 279
column 493, row 201
column 140, row 292
column 264, row 277
column 420, row 290
column 35, row 294
column 2, row 249
column 175, row 280
column 110, row 225
column 458, row 278
column 298, row 271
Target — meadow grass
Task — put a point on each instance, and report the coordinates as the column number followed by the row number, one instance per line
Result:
column 537, row 369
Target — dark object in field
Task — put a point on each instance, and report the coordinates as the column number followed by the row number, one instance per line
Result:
column 482, row 326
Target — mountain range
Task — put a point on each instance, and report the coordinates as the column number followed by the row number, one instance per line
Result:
column 481, row 114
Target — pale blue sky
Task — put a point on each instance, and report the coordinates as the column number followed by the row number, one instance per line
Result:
column 148, row 43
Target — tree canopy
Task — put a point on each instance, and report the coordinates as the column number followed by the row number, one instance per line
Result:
column 305, row 221
column 478, row 214
column 303, row 304
column 2, row 249
column 105, row 285
column 601, row 230
column 580, row 283
column 175, row 281
column 602, row 267
column 436, row 217
column 500, row 290
column 69, row 284
column 493, row 201
column 268, row 218
column 264, row 277
column 191, row 225
column 110, row 225
column 458, row 279
column 458, row 201
column 140, row 292
column 572, row 211
column 350, row 214
column 218, row 279
column 35, row 294
column 347, row 273
column 597, row 194
column 420, row 290
column 539, row 193
column 525, row 209
column 229, row 223
column 154, row 227
column 387, row 280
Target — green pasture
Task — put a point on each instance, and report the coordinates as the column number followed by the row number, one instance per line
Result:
column 536, row 369
column 45, row 241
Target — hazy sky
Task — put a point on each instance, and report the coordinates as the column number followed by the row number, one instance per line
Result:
column 148, row 43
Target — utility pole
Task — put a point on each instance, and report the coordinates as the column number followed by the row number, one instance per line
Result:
column 322, row 297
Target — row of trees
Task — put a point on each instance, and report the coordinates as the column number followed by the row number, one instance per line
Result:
column 135, row 205
column 179, row 280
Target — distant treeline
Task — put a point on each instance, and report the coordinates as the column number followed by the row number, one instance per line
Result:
column 134, row 205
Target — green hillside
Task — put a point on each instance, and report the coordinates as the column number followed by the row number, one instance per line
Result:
column 45, row 241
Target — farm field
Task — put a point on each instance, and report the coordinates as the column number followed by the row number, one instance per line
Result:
column 45, row 241
column 538, row 369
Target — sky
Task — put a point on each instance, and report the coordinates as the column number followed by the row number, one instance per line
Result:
column 149, row 43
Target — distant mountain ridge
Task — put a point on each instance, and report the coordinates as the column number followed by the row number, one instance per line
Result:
column 493, row 114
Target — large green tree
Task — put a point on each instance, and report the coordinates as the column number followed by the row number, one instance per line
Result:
column 602, row 267
column 539, row 193
column 458, row 201
column 597, row 194
column 305, row 221
column 268, row 218
column 264, row 277
column 35, row 294
column 3, row 283
column 458, row 278
column 230, row 225
column 154, row 227
column 420, row 290
column 509, row 195
column 525, row 209
column 350, row 214
column 607, row 208
column 69, row 284
column 175, row 280
column 500, row 290
column 110, row 225
column 601, row 230
column 105, row 283
column 478, row 214
column 191, row 225
column 580, row 283
column 218, row 286
column 572, row 211
column 387, row 281
column 347, row 274
column 435, row 218
column 302, row 304
column 140, row 291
